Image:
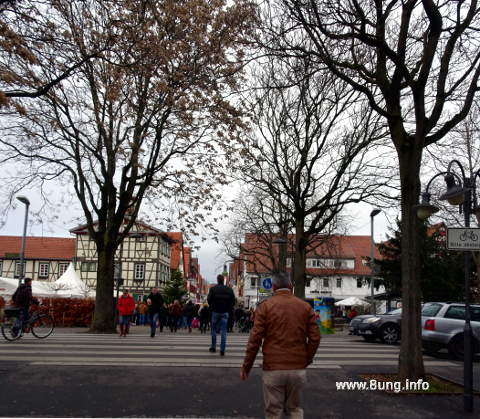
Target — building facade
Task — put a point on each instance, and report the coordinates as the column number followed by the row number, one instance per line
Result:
column 46, row 258
column 336, row 267
column 142, row 261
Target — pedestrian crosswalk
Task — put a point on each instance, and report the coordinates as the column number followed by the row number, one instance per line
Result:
column 182, row 350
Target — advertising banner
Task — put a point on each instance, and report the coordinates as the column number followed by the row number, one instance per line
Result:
column 323, row 308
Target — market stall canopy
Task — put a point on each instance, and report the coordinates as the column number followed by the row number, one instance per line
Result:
column 39, row 288
column 352, row 301
column 7, row 287
column 70, row 285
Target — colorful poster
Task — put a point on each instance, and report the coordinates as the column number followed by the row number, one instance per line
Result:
column 323, row 308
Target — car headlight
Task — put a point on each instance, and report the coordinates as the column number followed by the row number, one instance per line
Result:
column 371, row 320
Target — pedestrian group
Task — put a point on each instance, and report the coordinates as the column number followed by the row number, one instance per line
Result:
column 283, row 326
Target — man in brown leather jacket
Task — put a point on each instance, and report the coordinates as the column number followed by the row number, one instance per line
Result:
column 290, row 336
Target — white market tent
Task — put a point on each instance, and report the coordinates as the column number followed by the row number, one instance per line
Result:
column 352, row 301
column 69, row 285
column 39, row 289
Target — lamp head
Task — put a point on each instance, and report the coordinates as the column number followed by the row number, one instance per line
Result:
column 375, row 212
column 425, row 209
column 455, row 194
column 23, row 199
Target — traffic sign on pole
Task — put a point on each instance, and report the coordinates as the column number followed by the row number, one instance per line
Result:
column 464, row 238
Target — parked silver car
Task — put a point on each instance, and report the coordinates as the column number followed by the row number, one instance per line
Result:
column 443, row 324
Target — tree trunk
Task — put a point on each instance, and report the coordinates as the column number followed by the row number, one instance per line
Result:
column 300, row 259
column 104, row 316
column 411, row 358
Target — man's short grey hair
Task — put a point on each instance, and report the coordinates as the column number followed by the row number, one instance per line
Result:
column 281, row 280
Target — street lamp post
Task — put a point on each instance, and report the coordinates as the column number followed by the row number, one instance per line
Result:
column 459, row 194
column 23, row 200
column 372, row 246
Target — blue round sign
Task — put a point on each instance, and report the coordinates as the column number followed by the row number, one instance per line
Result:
column 267, row 283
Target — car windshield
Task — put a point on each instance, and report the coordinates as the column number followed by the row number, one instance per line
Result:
column 396, row 311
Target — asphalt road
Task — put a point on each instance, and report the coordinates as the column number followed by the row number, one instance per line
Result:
column 59, row 389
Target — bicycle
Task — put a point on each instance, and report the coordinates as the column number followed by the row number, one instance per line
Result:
column 470, row 235
column 13, row 326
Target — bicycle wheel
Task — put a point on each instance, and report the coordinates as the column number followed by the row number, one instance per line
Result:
column 42, row 326
column 11, row 329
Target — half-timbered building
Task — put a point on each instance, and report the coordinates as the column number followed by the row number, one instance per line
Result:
column 46, row 258
column 142, row 261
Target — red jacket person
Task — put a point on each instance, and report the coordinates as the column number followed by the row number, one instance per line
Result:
column 125, row 307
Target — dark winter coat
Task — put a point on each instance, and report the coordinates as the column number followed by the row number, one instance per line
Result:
column 157, row 303
column 22, row 297
column 188, row 310
column 221, row 299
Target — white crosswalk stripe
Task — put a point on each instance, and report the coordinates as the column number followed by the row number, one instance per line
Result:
column 190, row 350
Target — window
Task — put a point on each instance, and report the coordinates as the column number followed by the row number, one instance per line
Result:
column 289, row 262
column 18, row 270
column 117, row 270
column 139, row 272
column 475, row 314
column 62, row 267
column 88, row 267
column 43, row 270
column 339, row 282
column 326, row 283
column 431, row 310
column 253, row 282
column 141, row 238
column 455, row 312
column 1, row 267
column 458, row 312
column 308, row 282
column 359, row 283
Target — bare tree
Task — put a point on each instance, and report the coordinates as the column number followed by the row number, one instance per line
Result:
column 256, row 222
column 417, row 63
column 153, row 107
column 309, row 153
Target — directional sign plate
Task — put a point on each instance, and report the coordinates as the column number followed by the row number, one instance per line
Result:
column 267, row 283
column 463, row 238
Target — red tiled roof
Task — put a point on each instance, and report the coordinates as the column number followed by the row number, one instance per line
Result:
column 39, row 247
column 333, row 247
column 176, row 248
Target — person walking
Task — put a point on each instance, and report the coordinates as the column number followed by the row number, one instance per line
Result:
column 163, row 318
column 125, row 307
column 204, row 314
column 142, row 309
column 221, row 301
column 175, row 316
column 155, row 303
column 286, row 329
column 239, row 316
column 188, row 313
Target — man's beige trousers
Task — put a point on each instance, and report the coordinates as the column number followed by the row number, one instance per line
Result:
column 282, row 393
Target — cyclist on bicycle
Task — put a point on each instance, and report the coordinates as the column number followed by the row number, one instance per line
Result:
column 22, row 298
